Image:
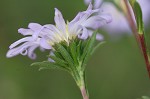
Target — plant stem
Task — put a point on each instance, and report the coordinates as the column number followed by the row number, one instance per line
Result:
column 82, row 85
column 145, row 54
column 130, row 19
column 139, row 37
column 84, row 92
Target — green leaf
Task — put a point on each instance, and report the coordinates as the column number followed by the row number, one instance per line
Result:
column 65, row 54
column 73, row 51
column 57, row 54
column 79, row 49
column 138, row 16
column 88, row 48
column 97, row 46
column 59, row 61
column 46, row 65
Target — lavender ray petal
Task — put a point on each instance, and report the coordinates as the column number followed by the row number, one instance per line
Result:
column 25, row 39
column 25, row 31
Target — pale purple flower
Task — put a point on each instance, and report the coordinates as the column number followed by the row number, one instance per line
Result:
column 119, row 24
column 82, row 26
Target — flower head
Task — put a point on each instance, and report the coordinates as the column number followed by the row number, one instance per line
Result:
column 81, row 27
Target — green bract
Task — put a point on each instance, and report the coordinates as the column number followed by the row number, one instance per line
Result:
column 71, row 57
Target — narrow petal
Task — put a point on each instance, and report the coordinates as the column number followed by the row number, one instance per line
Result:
column 59, row 20
column 25, row 31
column 55, row 31
column 22, row 49
column 25, row 39
column 12, row 53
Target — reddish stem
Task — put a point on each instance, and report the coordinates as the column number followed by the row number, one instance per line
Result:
column 84, row 93
column 139, row 37
column 143, row 45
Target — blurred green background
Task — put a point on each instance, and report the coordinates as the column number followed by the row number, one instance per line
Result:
column 116, row 71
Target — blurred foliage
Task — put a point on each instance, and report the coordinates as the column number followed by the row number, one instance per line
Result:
column 116, row 71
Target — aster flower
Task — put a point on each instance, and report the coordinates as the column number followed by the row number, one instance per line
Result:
column 47, row 35
column 114, row 28
column 70, row 43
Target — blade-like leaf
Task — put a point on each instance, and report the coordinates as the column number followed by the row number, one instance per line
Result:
column 97, row 46
column 79, row 50
column 59, row 61
column 65, row 54
column 45, row 65
column 88, row 48
column 73, row 51
column 57, row 54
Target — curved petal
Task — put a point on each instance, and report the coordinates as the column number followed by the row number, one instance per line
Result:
column 12, row 53
column 84, row 34
column 22, row 49
column 34, row 26
column 31, row 53
column 25, row 39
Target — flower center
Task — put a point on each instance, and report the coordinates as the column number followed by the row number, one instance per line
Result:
column 61, row 36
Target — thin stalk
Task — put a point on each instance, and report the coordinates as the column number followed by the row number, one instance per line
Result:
column 82, row 85
column 130, row 19
column 140, row 38
column 84, row 92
